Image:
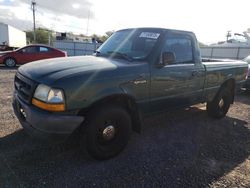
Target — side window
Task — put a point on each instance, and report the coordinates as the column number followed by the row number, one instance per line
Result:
column 43, row 49
column 31, row 49
column 181, row 47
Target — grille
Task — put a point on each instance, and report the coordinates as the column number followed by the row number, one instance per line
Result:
column 24, row 87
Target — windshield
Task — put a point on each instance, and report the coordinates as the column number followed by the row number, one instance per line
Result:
column 130, row 44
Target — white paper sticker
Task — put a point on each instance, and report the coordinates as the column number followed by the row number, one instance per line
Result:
column 149, row 35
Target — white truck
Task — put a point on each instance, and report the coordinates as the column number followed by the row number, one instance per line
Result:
column 11, row 38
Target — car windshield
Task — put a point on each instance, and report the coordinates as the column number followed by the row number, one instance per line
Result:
column 129, row 44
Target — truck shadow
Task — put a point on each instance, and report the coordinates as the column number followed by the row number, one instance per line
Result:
column 245, row 99
column 3, row 67
column 176, row 149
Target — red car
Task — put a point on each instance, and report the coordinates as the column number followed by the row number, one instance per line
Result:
column 29, row 53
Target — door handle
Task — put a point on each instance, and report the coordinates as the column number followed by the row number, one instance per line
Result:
column 140, row 79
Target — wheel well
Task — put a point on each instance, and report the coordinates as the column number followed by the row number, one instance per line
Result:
column 231, row 85
column 120, row 100
column 8, row 58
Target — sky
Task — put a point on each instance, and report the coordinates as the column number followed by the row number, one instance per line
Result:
column 208, row 19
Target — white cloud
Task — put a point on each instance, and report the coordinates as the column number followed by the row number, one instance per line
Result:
column 48, row 14
column 76, row 6
column 16, row 16
column 209, row 19
column 64, row 7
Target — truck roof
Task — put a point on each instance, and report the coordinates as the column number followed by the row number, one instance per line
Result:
column 158, row 28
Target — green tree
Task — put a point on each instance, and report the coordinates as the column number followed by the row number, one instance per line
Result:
column 42, row 36
column 202, row 44
column 106, row 36
column 95, row 36
column 109, row 33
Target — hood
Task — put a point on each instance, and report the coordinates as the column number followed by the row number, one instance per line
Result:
column 51, row 70
column 4, row 53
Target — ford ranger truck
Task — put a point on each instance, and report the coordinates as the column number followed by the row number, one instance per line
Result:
column 136, row 72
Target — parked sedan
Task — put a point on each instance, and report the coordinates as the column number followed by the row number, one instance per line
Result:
column 29, row 53
column 247, row 83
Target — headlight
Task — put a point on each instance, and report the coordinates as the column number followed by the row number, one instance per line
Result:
column 42, row 92
column 55, row 96
column 48, row 98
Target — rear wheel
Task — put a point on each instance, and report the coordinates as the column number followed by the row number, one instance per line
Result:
column 10, row 62
column 107, row 131
column 219, row 107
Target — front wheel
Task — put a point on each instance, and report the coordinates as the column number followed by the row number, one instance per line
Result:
column 219, row 106
column 107, row 131
column 10, row 62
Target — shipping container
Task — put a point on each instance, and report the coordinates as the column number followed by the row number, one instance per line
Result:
column 12, row 37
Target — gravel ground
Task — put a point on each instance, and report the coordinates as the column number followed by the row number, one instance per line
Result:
column 183, row 148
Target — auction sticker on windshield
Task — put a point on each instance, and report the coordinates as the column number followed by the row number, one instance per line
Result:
column 149, row 35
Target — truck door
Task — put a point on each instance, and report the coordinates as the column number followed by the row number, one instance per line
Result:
column 180, row 83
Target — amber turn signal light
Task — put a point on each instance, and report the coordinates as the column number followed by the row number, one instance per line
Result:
column 49, row 107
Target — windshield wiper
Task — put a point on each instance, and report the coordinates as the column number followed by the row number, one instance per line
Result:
column 120, row 54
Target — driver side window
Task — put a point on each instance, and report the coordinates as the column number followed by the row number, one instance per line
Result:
column 31, row 49
column 181, row 47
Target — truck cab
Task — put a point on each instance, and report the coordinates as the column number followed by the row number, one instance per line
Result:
column 136, row 72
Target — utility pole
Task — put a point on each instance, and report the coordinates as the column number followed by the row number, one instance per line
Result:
column 88, row 23
column 33, row 7
column 228, row 35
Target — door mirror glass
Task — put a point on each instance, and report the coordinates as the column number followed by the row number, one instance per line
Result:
column 168, row 58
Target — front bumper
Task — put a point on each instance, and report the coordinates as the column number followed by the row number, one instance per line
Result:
column 42, row 124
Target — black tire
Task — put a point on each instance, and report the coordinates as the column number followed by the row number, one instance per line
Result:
column 101, row 144
column 10, row 62
column 219, row 107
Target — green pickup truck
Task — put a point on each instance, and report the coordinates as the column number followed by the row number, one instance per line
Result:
column 136, row 72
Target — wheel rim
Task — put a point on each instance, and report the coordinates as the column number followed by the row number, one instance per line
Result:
column 221, row 103
column 10, row 62
column 108, row 133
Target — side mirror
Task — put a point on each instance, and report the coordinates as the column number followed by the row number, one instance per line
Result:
column 167, row 58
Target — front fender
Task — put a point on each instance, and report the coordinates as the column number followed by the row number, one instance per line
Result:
column 84, row 98
column 102, row 94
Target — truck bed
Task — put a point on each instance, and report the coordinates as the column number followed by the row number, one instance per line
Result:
column 216, row 60
column 218, row 71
